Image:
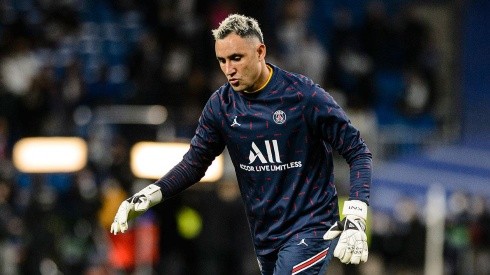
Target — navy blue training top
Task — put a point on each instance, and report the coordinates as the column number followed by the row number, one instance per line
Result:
column 280, row 140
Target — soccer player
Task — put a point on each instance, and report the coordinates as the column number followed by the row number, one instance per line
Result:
column 280, row 129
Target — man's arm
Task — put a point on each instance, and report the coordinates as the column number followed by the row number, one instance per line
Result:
column 191, row 169
column 336, row 129
column 352, row 247
column 334, row 126
column 179, row 178
column 206, row 144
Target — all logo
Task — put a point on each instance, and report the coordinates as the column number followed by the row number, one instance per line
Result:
column 272, row 152
column 268, row 155
column 279, row 117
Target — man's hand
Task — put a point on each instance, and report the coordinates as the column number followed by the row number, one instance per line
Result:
column 352, row 247
column 135, row 206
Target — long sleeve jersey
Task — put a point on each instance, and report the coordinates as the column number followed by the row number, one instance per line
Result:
column 281, row 141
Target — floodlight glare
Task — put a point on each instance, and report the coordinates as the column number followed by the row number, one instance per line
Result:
column 152, row 160
column 50, row 154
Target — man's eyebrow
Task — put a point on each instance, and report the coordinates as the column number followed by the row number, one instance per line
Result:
column 231, row 56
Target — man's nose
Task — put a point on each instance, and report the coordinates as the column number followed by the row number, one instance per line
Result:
column 229, row 68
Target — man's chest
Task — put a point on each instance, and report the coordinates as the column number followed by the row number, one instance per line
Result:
column 264, row 132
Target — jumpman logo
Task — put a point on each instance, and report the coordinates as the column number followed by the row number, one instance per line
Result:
column 302, row 242
column 235, row 123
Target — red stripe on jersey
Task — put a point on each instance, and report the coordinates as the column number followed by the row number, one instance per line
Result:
column 310, row 262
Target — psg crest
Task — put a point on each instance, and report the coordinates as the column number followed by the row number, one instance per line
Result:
column 279, row 117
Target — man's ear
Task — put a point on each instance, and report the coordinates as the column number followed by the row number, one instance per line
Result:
column 261, row 51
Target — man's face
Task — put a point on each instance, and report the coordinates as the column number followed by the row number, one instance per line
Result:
column 241, row 60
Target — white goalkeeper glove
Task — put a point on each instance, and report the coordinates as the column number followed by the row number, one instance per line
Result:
column 352, row 247
column 135, row 206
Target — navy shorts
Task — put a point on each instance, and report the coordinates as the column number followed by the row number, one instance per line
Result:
column 303, row 257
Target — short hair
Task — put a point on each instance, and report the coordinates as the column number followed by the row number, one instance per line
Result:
column 241, row 25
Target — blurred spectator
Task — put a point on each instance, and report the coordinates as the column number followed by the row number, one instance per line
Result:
column 379, row 38
column 9, row 127
column 119, row 164
column 291, row 31
column 418, row 98
column 415, row 34
column 11, row 230
column 457, row 237
column 219, row 10
column 4, row 140
column 78, row 208
column 198, row 91
column 177, row 67
column 20, row 72
column 19, row 66
column 480, row 234
column 72, row 87
column 352, row 68
column 45, row 225
column 44, row 106
column 420, row 63
column 413, row 232
column 400, row 241
column 223, row 242
column 299, row 48
column 146, row 64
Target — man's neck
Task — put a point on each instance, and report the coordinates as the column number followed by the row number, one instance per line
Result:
column 266, row 75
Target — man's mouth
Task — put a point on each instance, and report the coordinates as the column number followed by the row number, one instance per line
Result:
column 233, row 81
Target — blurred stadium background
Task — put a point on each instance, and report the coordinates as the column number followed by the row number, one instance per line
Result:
column 413, row 76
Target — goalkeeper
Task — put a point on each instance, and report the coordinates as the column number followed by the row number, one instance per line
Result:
column 281, row 130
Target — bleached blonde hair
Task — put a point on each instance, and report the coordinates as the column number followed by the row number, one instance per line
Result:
column 241, row 25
